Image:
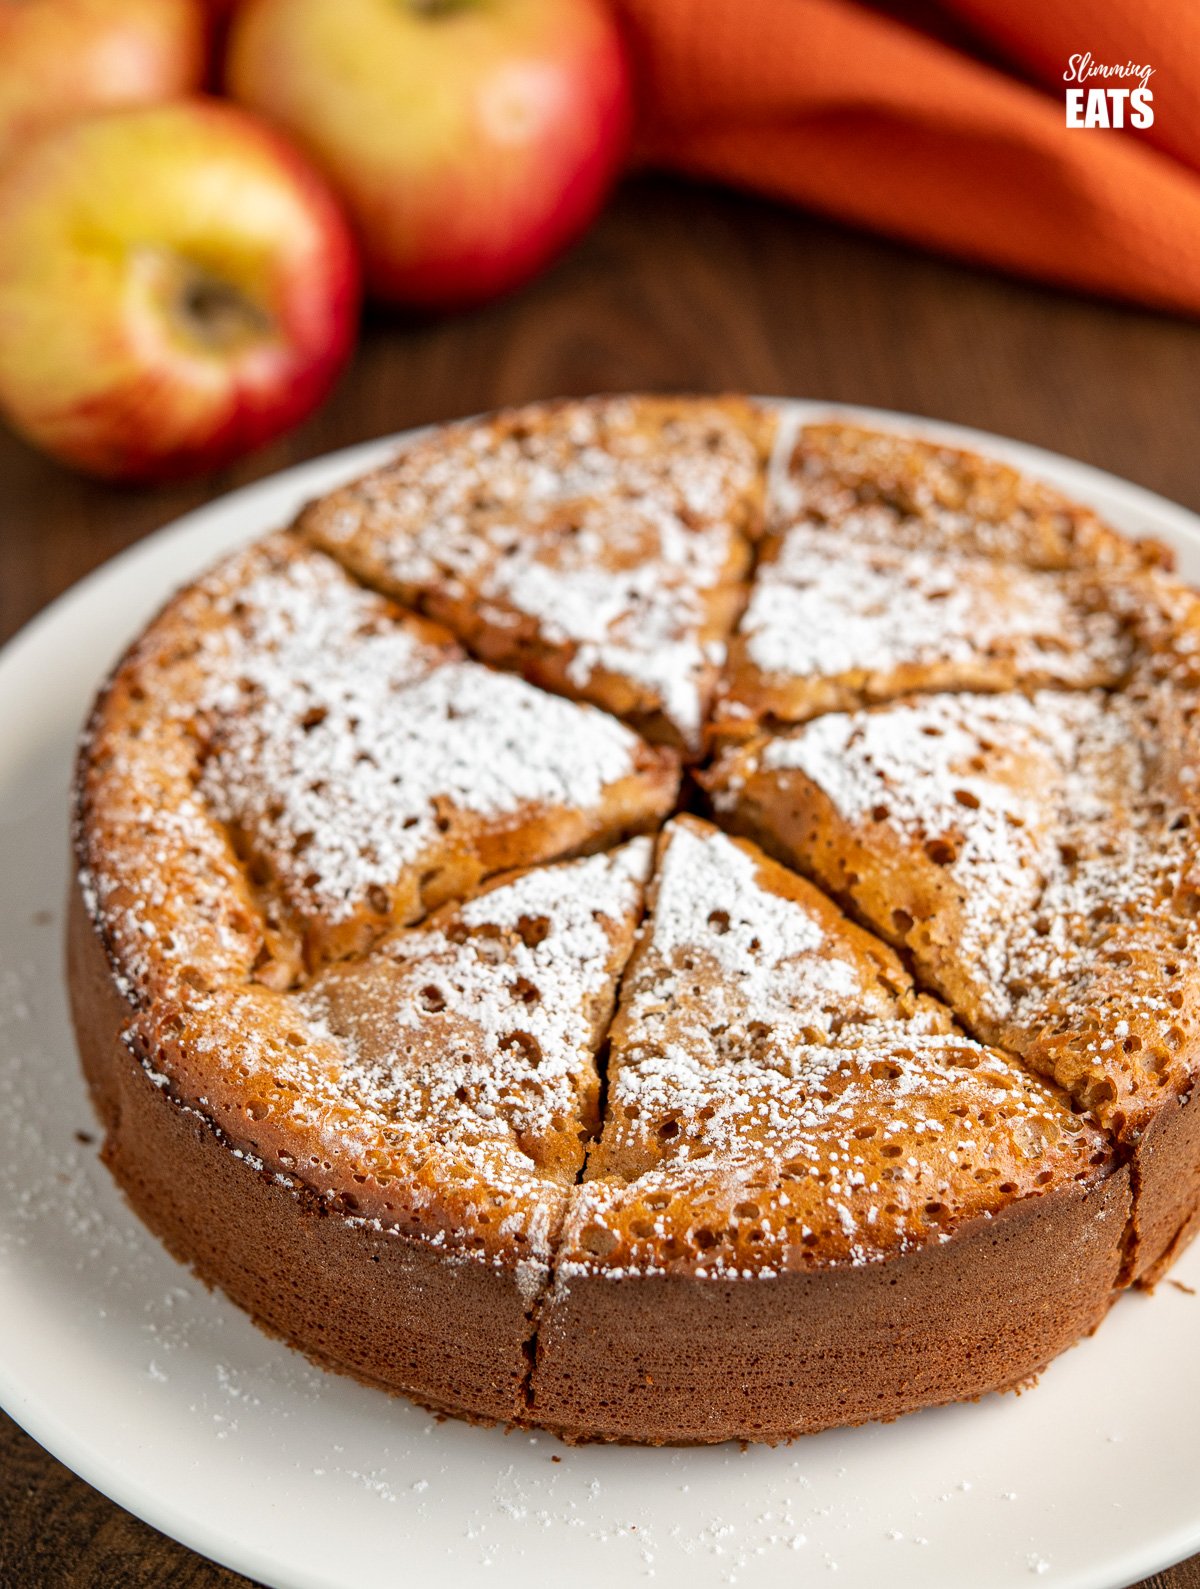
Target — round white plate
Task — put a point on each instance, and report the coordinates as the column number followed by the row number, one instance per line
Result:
column 168, row 1399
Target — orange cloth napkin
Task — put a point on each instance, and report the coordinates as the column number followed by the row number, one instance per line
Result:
column 889, row 126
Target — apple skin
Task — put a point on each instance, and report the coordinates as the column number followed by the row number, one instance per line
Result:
column 60, row 58
column 471, row 140
column 177, row 286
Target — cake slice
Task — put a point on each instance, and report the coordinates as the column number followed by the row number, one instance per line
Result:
column 485, row 1021
column 407, row 1250
column 367, row 771
column 840, row 616
column 760, row 1034
column 598, row 548
column 1034, row 855
column 784, row 1107
column 894, row 565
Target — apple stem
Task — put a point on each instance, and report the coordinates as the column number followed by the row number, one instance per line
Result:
column 439, row 8
column 217, row 313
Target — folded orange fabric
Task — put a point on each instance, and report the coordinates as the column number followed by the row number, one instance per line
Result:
column 865, row 118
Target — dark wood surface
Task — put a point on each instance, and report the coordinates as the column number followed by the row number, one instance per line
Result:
column 678, row 288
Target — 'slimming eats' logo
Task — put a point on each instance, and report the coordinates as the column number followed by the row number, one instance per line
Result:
column 1122, row 99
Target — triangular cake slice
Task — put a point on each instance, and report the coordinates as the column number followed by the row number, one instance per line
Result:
column 598, row 548
column 1036, row 856
column 839, row 617
column 369, row 772
column 278, row 1082
column 486, row 1020
column 894, row 565
column 780, row 1096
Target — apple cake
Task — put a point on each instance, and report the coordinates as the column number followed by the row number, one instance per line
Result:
column 648, row 920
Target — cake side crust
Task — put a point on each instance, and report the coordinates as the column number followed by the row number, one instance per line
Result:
column 620, row 1359
column 614, row 1357
column 445, row 1328
column 1166, row 1178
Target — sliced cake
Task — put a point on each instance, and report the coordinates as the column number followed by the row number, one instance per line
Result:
column 406, row 1033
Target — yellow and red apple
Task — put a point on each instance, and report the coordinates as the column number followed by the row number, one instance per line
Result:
column 470, row 139
column 176, row 286
column 59, row 58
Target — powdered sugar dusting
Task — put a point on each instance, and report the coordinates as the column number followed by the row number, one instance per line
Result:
column 919, row 495
column 780, row 1093
column 764, row 951
column 1056, row 860
column 627, row 596
column 835, row 601
column 606, row 532
column 919, row 770
column 490, row 1019
column 344, row 743
column 765, row 1043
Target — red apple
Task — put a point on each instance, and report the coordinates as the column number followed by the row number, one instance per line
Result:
column 471, row 139
column 176, row 286
column 62, row 57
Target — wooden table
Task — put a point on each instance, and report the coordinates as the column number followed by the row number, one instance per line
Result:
column 678, row 288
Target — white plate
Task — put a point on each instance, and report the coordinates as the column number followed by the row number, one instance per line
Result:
column 165, row 1397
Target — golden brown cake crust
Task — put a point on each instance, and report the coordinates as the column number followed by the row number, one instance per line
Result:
column 499, row 1102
